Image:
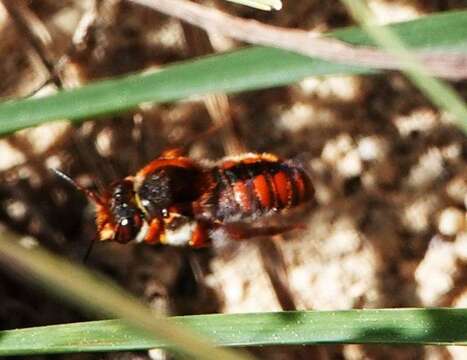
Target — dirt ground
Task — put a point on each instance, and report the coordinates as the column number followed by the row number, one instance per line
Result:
column 389, row 169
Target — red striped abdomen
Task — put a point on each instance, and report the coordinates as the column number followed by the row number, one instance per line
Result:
column 253, row 186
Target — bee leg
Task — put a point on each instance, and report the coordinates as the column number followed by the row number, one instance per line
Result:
column 172, row 153
column 155, row 232
column 199, row 237
column 239, row 232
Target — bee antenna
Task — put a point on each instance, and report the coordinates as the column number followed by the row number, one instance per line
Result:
column 66, row 178
column 90, row 194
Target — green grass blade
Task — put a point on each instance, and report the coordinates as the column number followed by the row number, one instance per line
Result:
column 440, row 93
column 82, row 288
column 388, row 326
column 445, row 31
column 246, row 69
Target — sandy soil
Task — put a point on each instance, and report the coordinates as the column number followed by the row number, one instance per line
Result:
column 389, row 170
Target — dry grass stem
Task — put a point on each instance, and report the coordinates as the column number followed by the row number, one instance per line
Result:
column 446, row 65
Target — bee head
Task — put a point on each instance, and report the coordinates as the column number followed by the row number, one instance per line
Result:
column 118, row 215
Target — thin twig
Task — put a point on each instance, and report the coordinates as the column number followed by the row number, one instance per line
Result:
column 446, row 65
column 217, row 105
column 37, row 36
column 41, row 43
column 274, row 265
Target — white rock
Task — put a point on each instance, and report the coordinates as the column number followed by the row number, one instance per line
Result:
column 350, row 165
column 461, row 246
column 451, row 221
column 337, row 148
column 457, row 189
column 372, row 148
column 429, row 168
column 435, row 274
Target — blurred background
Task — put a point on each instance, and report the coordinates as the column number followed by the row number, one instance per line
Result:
column 389, row 170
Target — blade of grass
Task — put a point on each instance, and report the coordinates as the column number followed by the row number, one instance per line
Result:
column 261, row 4
column 246, row 69
column 80, row 287
column 386, row 326
column 439, row 92
column 444, row 65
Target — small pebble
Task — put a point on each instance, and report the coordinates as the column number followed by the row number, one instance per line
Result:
column 451, row 221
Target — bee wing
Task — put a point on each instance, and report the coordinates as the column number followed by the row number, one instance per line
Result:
column 227, row 235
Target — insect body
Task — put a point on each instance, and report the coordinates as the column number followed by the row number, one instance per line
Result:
column 248, row 187
column 175, row 200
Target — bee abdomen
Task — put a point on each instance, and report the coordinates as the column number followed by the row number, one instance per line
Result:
column 253, row 187
column 290, row 185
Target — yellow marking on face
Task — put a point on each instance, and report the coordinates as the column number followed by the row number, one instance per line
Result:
column 140, row 206
column 162, row 238
column 107, row 233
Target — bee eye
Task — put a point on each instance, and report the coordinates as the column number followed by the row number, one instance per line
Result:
column 124, row 232
column 128, row 228
column 137, row 221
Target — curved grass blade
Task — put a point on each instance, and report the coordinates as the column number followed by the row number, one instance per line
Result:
column 246, row 69
column 387, row 326
column 82, row 288
column 439, row 92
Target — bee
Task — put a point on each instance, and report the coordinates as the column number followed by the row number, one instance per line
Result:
column 178, row 201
